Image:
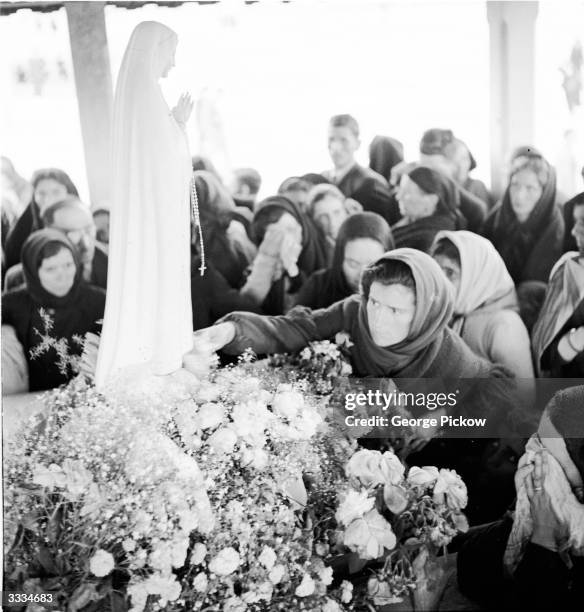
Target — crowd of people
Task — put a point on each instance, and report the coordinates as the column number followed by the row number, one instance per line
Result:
column 429, row 273
column 515, row 271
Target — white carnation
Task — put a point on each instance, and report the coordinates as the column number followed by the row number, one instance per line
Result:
column 101, row 563
column 225, row 563
column 306, row 587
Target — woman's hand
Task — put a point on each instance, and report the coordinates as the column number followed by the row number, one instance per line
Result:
column 183, row 109
column 547, row 529
column 290, row 251
column 213, row 338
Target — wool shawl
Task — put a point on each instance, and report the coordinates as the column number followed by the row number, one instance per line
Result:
column 528, row 249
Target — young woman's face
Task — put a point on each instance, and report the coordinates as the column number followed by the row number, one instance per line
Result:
column 359, row 253
column 390, row 311
column 49, row 191
column 57, row 273
column 413, row 202
column 451, row 269
column 524, row 192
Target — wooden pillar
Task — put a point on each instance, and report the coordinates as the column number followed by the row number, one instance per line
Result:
column 93, row 83
column 512, row 81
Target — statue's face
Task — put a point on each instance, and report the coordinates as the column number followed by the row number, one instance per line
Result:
column 166, row 53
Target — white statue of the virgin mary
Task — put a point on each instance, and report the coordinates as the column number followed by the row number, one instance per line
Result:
column 148, row 317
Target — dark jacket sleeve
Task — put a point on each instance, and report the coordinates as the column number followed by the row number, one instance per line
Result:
column 285, row 333
column 473, row 209
column 306, row 296
column 225, row 299
column 540, row 566
column 546, row 251
column 542, row 580
column 17, row 236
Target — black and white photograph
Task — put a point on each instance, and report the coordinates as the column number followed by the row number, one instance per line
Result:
column 292, row 305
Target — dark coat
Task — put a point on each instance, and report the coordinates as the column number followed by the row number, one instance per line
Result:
column 542, row 580
column 528, row 249
column 78, row 317
column 370, row 189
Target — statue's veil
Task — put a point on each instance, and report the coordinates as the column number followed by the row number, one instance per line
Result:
column 148, row 318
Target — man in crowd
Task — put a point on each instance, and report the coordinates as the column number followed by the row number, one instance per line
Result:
column 355, row 181
column 71, row 217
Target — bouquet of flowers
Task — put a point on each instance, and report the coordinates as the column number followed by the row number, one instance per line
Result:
column 197, row 501
column 321, row 363
column 399, row 523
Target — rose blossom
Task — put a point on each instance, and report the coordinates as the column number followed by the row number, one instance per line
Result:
column 200, row 582
column 371, row 468
column 368, row 536
column 306, row 587
column 223, row 441
column 210, row 415
column 331, row 606
column 287, row 403
column 422, row 476
column 276, row 574
column 450, row 488
column 225, row 563
column 102, row 563
column 198, row 554
column 267, row 557
column 354, row 506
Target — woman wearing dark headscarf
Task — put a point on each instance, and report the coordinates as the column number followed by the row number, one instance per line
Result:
column 230, row 253
column 50, row 185
column 398, row 328
column 289, row 251
column 398, row 325
column 429, row 203
column 54, row 284
column 534, row 559
column 361, row 240
column 526, row 227
column 558, row 335
column 384, row 154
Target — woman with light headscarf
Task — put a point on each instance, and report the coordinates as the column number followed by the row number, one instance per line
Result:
column 485, row 307
column 148, row 319
column 533, row 559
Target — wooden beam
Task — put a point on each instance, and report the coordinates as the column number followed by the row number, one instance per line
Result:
column 93, row 83
column 512, row 81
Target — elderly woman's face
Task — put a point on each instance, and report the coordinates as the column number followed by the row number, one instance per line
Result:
column 57, row 273
column 414, row 203
column 390, row 312
column 49, row 191
column 524, row 192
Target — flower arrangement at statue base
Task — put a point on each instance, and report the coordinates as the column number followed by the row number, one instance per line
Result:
column 191, row 500
column 398, row 526
column 232, row 494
